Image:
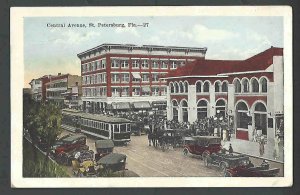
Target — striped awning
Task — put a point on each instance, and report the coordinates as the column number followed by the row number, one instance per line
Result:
column 120, row 106
column 143, row 105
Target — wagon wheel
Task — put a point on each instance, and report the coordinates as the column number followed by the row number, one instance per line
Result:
column 223, row 167
column 185, row 151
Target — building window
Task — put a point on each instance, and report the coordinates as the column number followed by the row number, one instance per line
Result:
column 173, row 65
column 125, row 77
column 145, row 91
column 176, row 87
column 136, row 91
column 135, row 64
column 221, row 108
column 163, row 91
column 164, row 65
column 124, row 63
column 206, row 86
column 145, row 64
column 255, row 85
column 224, row 87
column 104, row 78
column 181, row 88
column 198, row 86
column 171, row 87
column 237, row 86
column 115, row 63
column 184, row 107
column 155, row 91
column 264, row 85
column 103, row 63
column 155, row 77
column 245, row 86
column 155, row 64
column 98, row 64
column 242, row 115
column 115, row 92
column 217, row 86
column 125, row 91
column 88, row 80
column 115, row 78
column 186, row 87
column 175, row 110
column 201, row 109
column 145, row 77
column 260, row 117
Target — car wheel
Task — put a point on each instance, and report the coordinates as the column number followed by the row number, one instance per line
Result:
column 223, row 167
column 185, row 151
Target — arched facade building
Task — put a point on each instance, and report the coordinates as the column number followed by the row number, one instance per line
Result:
column 249, row 92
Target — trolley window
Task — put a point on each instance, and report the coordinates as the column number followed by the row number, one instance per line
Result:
column 123, row 128
column 116, row 129
column 128, row 127
column 107, row 127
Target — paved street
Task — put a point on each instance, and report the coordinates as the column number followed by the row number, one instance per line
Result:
column 148, row 161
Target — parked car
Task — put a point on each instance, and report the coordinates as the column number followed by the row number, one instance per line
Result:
column 226, row 161
column 113, row 162
column 69, row 143
column 245, row 171
column 103, row 148
column 201, row 145
column 83, row 164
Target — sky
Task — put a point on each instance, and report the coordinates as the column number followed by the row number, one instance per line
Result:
column 52, row 50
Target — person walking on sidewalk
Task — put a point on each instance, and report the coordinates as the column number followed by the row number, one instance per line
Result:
column 276, row 147
column 230, row 150
column 262, row 145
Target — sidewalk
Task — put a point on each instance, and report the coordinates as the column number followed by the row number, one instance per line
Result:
column 252, row 149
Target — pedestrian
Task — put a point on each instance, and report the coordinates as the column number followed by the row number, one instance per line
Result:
column 230, row 150
column 150, row 135
column 254, row 133
column 276, row 147
column 262, row 145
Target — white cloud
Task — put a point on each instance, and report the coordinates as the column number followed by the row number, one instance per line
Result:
column 128, row 30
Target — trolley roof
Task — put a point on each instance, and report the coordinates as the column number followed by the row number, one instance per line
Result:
column 98, row 117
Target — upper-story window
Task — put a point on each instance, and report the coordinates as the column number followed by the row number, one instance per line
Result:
column 103, row 63
column 198, row 86
column 125, row 77
column 103, row 77
column 163, row 91
column 135, row 64
column 217, row 86
column 206, row 86
column 136, row 91
column 254, row 85
column 125, row 91
column 93, row 66
column 173, row 65
column 145, row 77
column 124, row 63
column 88, row 80
column 88, row 67
column 115, row 91
column 98, row 63
column 155, row 77
column 186, row 87
column 115, row 63
column 115, row 78
column 181, row 88
column 224, row 87
column 264, row 85
column 164, row 64
column 155, row 64
column 237, row 86
column 155, row 91
column 145, row 64
column 171, row 87
column 245, row 86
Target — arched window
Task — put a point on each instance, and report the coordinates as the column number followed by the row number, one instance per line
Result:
column 255, row 85
column 206, row 86
column 242, row 115
column 221, row 107
column 260, row 118
column 198, row 86
column 224, row 87
column 186, row 87
column 245, row 86
column 201, row 109
column 175, row 110
column 217, row 86
column 172, row 87
column 237, row 86
column 181, row 89
column 264, row 85
column 184, row 107
column 176, row 87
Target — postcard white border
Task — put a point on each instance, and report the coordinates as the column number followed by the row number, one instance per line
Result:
column 17, row 78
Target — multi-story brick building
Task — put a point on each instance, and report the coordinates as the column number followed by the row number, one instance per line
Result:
column 38, row 87
column 60, row 88
column 249, row 91
column 113, row 74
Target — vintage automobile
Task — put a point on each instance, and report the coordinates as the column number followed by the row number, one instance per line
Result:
column 112, row 162
column 103, row 148
column 250, row 171
column 226, row 161
column 201, row 145
column 69, row 143
column 83, row 164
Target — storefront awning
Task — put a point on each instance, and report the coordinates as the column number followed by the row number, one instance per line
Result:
column 120, row 106
column 136, row 75
column 146, row 89
column 141, row 105
column 159, row 103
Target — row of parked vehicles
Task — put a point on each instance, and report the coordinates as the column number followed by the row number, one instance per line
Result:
column 232, row 165
column 71, row 150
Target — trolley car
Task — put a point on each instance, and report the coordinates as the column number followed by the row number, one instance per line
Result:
column 100, row 126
